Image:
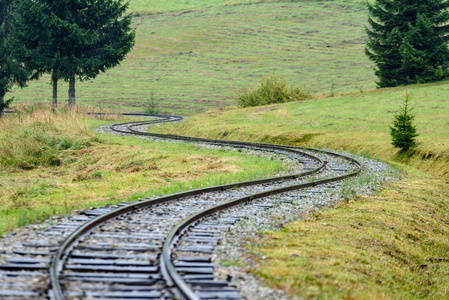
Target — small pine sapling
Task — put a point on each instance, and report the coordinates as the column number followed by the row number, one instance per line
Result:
column 403, row 132
column 151, row 107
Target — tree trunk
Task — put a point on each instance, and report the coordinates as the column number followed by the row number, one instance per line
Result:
column 72, row 105
column 2, row 103
column 54, row 80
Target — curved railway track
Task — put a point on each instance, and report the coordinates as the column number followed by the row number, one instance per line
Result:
column 160, row 247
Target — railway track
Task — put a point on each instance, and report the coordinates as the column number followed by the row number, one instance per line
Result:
column 160, row 247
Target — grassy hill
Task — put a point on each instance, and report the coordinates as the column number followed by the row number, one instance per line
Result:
column 195, row 54
column 357, row 122
column 390, row 245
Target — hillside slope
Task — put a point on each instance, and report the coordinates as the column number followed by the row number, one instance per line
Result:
column 195, row 54
column 354, row 122
column 390, row 245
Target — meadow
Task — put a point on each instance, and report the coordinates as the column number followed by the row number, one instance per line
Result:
column 53, row 163
column 356, row 122
column 390, row 245
column 194, row 55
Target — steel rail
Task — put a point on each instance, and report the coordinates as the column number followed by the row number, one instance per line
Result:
column 70, row 242
column 169, row 271
column 173, row 279
column 177, row 280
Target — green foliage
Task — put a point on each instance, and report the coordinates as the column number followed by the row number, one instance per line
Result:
column 11, row 72
column 407, row 41
column 152, row 105
column 271, row 89
column 72, row 39
column 403, row 132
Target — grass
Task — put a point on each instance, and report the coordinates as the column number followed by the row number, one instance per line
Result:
column 355, row 122
column 109, row 169
column 39, row 137
column 393, row 245
column 271, row 90
column 166, row 6
column 142, row 7
column 196, row 54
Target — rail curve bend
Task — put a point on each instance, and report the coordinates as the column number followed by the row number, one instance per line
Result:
column 176, row 285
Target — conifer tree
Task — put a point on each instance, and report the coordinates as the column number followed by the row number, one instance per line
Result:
column 11, row 72
column 403, row 132
column 408, row 40
column 71, row 39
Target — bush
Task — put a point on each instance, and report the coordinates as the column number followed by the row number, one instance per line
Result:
column 403, row 132
column 271, row 89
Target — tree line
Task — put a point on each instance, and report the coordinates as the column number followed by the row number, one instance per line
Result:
column 68, row 39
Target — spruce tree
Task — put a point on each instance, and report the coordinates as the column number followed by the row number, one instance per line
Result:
column 403, row 132
column 408, row 40
column 71, row 39
column 11, row 72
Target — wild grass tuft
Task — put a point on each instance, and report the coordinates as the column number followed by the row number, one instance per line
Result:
column 36, row 135
column 271, row 89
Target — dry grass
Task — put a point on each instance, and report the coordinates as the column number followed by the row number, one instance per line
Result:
column 392, row 245
column 36, row 136
column 52, row 163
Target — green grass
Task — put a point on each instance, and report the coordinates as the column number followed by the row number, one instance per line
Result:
column 142, row 7
column 196, row 60
column 109, row 169
column 355, row 122
column 165, row 6
column 392, row 245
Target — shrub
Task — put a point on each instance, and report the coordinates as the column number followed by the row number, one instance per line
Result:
column 403, row 132
column 271, row 89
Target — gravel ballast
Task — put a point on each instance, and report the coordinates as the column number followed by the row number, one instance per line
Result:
column 286, row 207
